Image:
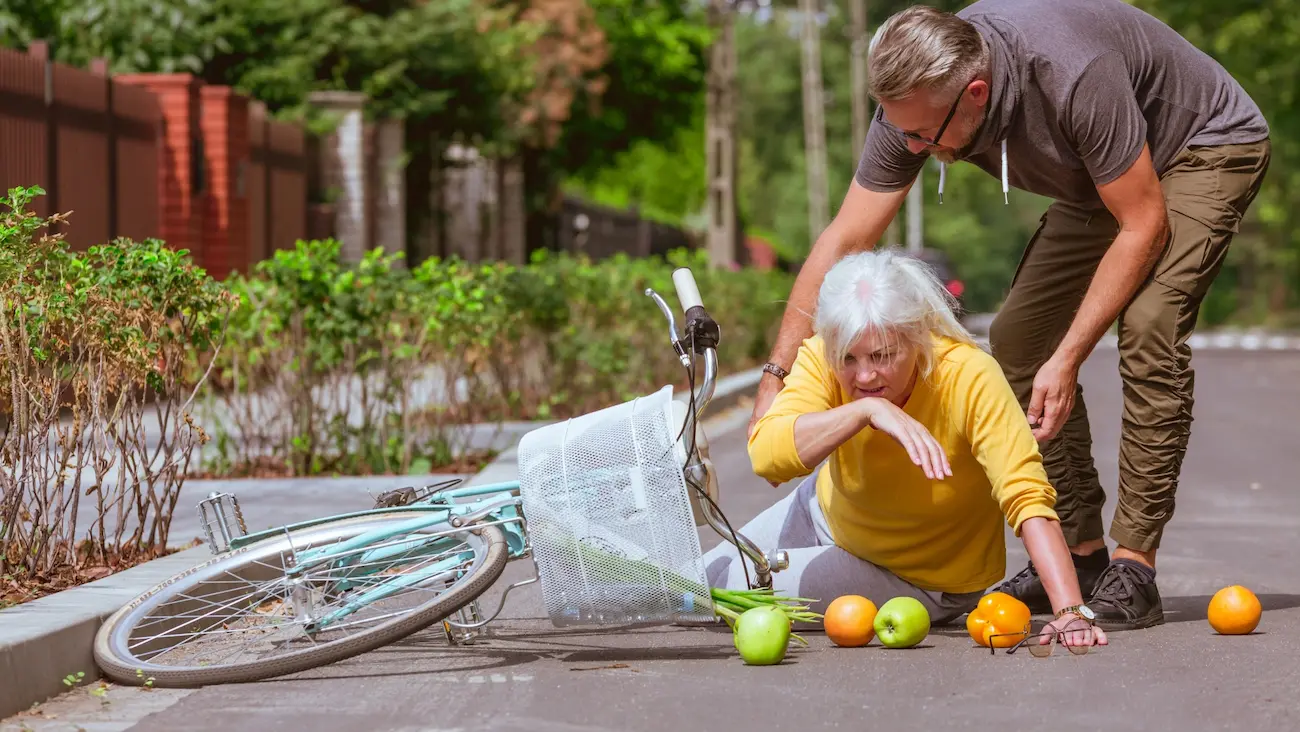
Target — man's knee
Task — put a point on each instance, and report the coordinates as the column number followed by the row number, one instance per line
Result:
column 1153, row 334
column 1156, row 371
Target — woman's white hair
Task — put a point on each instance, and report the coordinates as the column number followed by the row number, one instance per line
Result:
column 885, row 292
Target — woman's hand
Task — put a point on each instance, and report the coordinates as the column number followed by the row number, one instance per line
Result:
column 924, row 450
column 1072, row 630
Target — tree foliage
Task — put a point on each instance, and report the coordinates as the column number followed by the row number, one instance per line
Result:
column 983, row 236
column 1259, row 44
column 523, row 71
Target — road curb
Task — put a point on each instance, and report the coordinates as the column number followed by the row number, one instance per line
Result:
column 1214, row 341
column 43, row 641
column 1220, row 339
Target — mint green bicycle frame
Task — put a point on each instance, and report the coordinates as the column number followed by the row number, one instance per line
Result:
column 498, row 503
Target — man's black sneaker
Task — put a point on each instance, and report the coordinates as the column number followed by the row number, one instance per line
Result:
column 1126, row 598
column 1028, row 588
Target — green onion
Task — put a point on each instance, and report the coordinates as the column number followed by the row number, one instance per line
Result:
column 729, row 604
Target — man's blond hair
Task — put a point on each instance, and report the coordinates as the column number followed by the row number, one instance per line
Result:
column 923, row 49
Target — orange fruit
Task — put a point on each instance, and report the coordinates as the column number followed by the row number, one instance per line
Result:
column 998, row 614
column 850, row 621
column 1234, row 610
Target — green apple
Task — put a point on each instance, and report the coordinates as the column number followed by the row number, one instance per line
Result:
column 762, row 634
column 902, row 622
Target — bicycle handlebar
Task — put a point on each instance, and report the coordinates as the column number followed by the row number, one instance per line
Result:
column 688, row 293
column 701, row 335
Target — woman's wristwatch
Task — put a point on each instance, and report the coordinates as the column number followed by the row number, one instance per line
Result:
column 1083, row 611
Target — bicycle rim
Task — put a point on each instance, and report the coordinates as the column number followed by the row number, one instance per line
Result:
column 239, row 616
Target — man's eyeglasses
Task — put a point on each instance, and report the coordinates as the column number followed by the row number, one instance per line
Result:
column 880, row 117
column 1077, row 637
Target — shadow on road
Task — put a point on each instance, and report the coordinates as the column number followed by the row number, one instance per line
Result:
column 1193, row 607
column 427, row 654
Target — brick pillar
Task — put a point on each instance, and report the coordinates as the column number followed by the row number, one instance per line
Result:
column 182, row 179
column 343, row 170
column 226, row 237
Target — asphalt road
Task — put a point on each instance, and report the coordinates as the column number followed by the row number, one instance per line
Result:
column 1237, row 520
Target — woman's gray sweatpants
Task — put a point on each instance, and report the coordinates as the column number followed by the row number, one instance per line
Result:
column 818, row 568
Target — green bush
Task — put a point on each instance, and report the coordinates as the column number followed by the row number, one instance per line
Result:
column 371, row 367
column 599, row 340
column 99, row 358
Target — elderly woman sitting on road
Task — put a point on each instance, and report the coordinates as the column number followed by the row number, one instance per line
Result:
column 927, row 452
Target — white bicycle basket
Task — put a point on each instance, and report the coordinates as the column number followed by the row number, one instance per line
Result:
column 610, row 519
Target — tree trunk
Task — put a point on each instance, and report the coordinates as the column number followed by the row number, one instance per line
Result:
column 915, row 213
column 813, row 120
column 720, row 123
column 419, row 185
column 858, row 74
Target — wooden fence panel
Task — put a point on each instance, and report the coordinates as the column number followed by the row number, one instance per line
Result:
column 600, row 232
column 81, row 123
column 23, row 130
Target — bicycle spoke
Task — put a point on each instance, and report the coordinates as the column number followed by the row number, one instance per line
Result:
column 258, row 615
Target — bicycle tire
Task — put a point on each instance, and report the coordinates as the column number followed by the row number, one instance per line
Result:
column 127, row 670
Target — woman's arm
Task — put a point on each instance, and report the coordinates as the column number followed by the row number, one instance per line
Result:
column 1001, row 440
column 816, row 435
column 1051, row 557
column 810, row 389
column 988, row 414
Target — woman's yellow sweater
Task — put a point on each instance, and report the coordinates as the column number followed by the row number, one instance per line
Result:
column 943, row 535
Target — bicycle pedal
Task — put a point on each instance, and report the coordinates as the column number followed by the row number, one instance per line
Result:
column 226, row 522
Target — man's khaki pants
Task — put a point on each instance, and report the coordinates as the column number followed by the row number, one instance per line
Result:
column 1207, row 191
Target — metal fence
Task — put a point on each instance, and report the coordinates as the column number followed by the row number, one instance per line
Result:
column 600, row 232
column 128, row 156
column 91, row 143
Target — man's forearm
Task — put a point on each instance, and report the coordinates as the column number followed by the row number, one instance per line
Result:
column 1121, row 271
column 796, row 324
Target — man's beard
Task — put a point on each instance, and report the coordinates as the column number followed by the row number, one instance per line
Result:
column 944, row 155
column 948, row 155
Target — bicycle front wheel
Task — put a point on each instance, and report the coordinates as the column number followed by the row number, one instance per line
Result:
column 250, row 614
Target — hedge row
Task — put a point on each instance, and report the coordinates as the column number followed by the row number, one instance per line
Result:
column 374, row 367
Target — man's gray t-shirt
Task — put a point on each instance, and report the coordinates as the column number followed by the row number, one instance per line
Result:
column 1077, row 87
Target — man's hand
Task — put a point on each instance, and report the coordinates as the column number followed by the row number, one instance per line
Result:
column 768, row 387
column 1053, row 398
